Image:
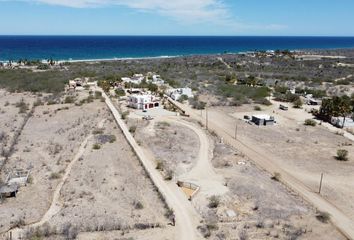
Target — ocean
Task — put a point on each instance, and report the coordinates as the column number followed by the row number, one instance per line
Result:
column 117, row 47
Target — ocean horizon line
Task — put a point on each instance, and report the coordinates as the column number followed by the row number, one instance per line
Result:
column 101, row 48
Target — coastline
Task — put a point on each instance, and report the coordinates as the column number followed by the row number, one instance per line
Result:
column 304, row 51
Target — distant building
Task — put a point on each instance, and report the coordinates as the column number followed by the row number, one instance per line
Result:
column 136, row 79
column 143, row 102
column 156, row 79
column 176, row 94
column 263, row 120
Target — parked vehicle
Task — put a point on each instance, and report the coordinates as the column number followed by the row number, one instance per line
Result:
column 283, row 107
column 148, row 118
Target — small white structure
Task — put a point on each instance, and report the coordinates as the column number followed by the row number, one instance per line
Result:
column 156, row 79
column 143, row 102
column 136, row 79
column 176, row 94
column 263, row 120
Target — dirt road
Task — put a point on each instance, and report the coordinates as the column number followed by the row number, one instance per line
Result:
column 338, row 218
column 186, row 218
column 202, row 173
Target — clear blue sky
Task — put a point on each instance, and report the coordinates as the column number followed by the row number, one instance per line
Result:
column 177, row 17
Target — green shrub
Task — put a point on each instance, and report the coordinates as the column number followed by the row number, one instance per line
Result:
column 54, row 175
column 69, row 99
column 342, row 155
column 310, row 122
column 96, row 146
column 125, row 115
column 132, row 129
column 257, row 108
column 214, row 202
column 297, row 103
column 120, row 92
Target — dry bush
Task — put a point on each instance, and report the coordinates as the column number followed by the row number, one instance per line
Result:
column 214, row 202
column 342, row 155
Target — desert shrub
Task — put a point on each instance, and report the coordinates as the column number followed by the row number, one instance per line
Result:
column 183, row 98
column 22, row 106
column 214, row 202
column 342, row 155
column 119, row 92
column 43, row 66
column 54, row 175
column 97, row 131
column 30, row 179
column 310, row 122
column 169, row 214
column 168, row 175
column 257, row 108
column 125, row 115
column 112, row 139
column 323, row 217
column 276, row 176
column 297, row 103
column 69, row 99
column 159, row 165
column 96, row 147
column 196, row 104
column 138, row 205
column 264, row 102
column 98, row 94
column 38, row 102
column 132, row 129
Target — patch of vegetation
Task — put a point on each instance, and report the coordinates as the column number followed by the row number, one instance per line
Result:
column 97, row 131
column 54, row 175
column 310, row 122
column 242, row 94
column 132, row 129
column 96, row 147
column 21, row 80
column 120, row 92
column 342, row 155
column 214, row 202
column 323, row 217
column 257, row 108
column 69, row 99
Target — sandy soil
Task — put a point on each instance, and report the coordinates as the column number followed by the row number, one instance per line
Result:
column 173, row 144
column 305, row 152
column 103, row 178
column 45, row 147
column 100, row 189
column 250, row 194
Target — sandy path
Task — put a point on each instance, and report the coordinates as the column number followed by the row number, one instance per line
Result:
column 338, row 218
column 56, row 205
column 222, row 60
column 203, row 173
column 186, row 217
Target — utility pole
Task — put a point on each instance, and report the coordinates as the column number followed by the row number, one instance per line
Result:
column 236, row 132
column 206, row 115
column 319, row 191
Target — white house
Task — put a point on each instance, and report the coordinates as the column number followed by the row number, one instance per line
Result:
column 156, row 79
column 176, row 94
column 143, row 102
column 136, row 79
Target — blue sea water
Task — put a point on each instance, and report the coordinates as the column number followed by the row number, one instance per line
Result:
column 110, row 47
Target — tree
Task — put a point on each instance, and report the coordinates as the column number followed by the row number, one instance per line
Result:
column 336, row 107
column 297, row 103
